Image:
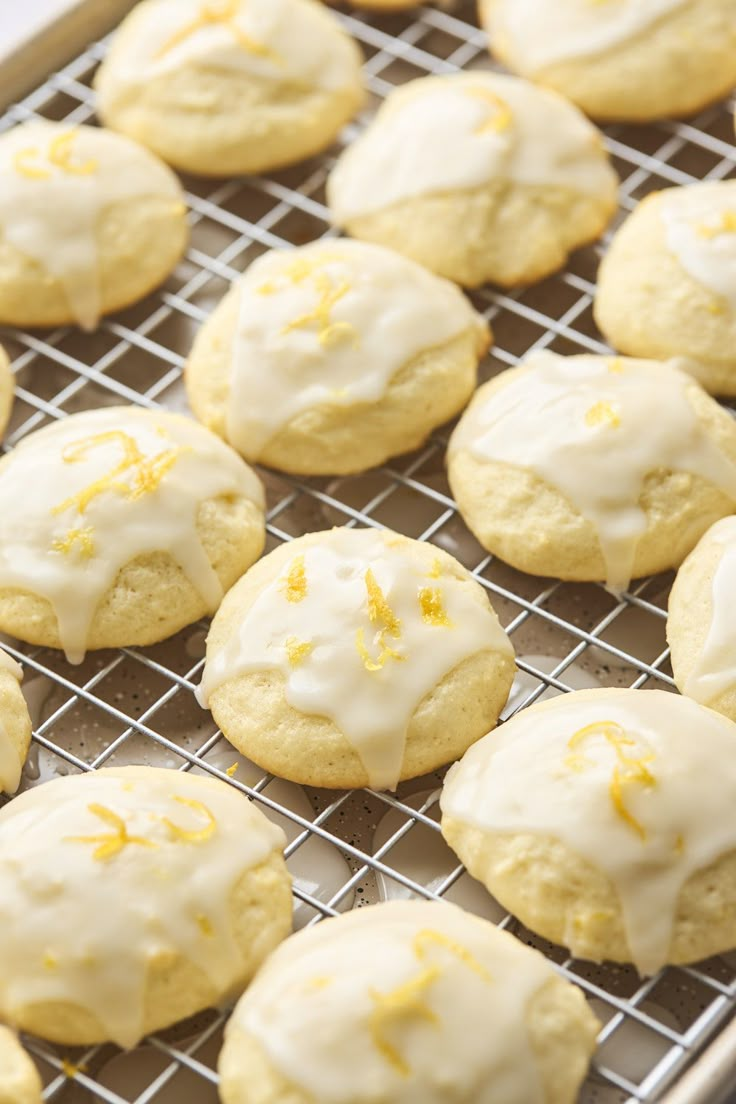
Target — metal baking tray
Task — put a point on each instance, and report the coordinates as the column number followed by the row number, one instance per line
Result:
column 664, row 1039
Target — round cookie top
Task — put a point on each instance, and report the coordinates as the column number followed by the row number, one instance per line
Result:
column 56, row 182
column 391, row 997
column 157, row 851
column 462, row 132
column 332, row 322
column 595, row 428
column 700, row 231
column 700, row 628
column 534, row 34
column 274, row 42
column 618, row 777
column 110, row 485
column 21, row 1083
column 362, row 624
column 12, row 756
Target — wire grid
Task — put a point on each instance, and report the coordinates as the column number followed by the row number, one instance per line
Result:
column 138, row 705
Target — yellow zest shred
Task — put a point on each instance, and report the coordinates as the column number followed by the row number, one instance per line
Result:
column 402, row 1003
column 384, row 655
column 330, row 333
column 295, row 585
column 29, row 161
column 205, row 926
column 602, row 414
column 297, row 650
column 379, row 613
column 223, row 13
column 617, row 365
column 71, row 1070
column 433, row 608
column 319, row 983
column 629, row 770
column 109, row 845
column 428, row 937
column 298, row 270
column 231, row 771
column 716, row 307
column 195, row 835
column 80, row 539
column 725, row 225
column 500, row 117
column 435, row 571
column 50, row 961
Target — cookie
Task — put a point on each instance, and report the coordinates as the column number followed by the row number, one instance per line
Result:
column 89, row 223
column 477, row 176
column 20, row 1083
column 15, row 725
column 700, row 628
column 628, row 60
column 386, row 1001
column 667, row 286
column 138, row 522
column 331, row 358
column 356, row 657
column 603, row 820
column 593, row 468
column 219, row 87
column 7, row 391
column 188, row 875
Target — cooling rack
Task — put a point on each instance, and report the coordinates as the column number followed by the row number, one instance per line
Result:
column 134, row 705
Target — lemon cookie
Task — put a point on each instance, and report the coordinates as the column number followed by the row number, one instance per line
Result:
column 219, row 87
column 700, row 626
column 89, row 223
column 628, row 60
column 15, row 724
column 593, row 468
column 190, row 878
column 384, row 1003
column 667, row 286
column 7, row 391
column 356, row 658
column 603, row 819
column 330, row 358
column 20, row 1083
column 477, row 176
column 137, row 523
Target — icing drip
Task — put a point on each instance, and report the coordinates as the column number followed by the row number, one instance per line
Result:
column 272, row 40
column 110, row 485
column 442, row 134
column 11, row 764
column 539, row 34
column 56, row 183
column 585, row 425
column 392, row 996
column 700, row 230
column 130, row 841
column 618, row 777
column 714, row 672
column 356, row 647
column 331, row 324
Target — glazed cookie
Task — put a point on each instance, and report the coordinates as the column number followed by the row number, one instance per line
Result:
column 137, row 523
column 593, row 468
column 219, row 87
column 700, row 627
column 15, row 725
column 89, row 223
column 384, row 1003
column 603, row 820
column 19, row 1083
column 192, row 883
column 667, row 286
column 7, row 391
column 331, row 358
column 627, row 60
column 356, row 658
column 477, row 176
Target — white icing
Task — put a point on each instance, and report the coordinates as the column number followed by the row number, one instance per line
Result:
column 101, row 536
column 527, row 778
column 595, row 428
column 52, row 215
column 700, row 230
column 11, row 763
column 714, row 672
column 372, row 707
column 331, row 323
column 462, row 132
column 538, row 34
column 276, row 41
column 83, row 929
column 322, row 1008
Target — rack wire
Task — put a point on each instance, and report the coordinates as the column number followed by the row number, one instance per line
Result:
column 138, row 705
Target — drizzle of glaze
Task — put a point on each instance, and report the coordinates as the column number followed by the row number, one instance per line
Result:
column 700, row 230
column 714, row 671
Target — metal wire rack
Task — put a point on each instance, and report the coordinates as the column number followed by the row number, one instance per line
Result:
column 138, row 706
